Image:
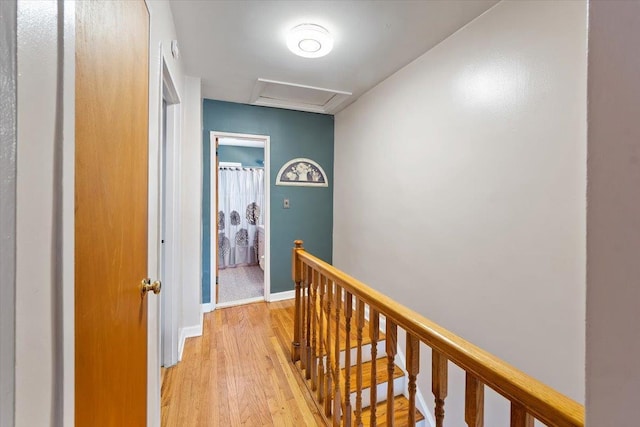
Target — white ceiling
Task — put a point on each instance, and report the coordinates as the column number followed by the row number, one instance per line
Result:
column 231, row 44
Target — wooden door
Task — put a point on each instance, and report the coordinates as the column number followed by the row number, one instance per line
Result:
column 112, row 39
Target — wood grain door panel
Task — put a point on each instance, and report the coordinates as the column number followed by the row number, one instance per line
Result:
column 111, row 212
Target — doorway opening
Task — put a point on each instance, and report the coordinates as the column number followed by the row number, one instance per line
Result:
column 169, row 201
column 239, row 218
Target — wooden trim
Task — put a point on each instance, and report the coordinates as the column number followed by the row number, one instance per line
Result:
column 539, row 400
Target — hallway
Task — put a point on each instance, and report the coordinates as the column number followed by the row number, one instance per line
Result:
column 239, row 373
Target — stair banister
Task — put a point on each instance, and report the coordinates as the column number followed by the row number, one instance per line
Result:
column 530, row 399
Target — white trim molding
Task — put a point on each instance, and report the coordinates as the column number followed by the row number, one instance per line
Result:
column 251, row 141
column 243, row 142
column 169, row 214
column 239, row 302
column 189, row 332
column 282, row 296
column 207, row 307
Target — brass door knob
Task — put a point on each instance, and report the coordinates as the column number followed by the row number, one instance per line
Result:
column 147, row 286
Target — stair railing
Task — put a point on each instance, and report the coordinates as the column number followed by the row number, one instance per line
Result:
column 330, row 303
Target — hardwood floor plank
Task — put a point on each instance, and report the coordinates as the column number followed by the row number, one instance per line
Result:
column 239, row 373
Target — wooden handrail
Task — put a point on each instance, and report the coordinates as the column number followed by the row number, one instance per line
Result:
column 537, row 399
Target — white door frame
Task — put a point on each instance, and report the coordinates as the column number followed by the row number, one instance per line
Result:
column 169, row 217
column 267, row 210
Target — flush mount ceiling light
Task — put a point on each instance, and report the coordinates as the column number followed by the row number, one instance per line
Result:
column 309, row 41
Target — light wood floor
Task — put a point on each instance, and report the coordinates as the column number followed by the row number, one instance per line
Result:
column 239, row 373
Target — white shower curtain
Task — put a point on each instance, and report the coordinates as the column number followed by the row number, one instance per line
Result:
column 241, row 204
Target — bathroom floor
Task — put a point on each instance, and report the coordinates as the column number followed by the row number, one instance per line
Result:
column 240, row 283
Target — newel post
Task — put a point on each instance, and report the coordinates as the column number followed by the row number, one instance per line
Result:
column 296, row 274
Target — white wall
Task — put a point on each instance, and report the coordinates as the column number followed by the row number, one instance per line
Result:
column 613, row 215
column 37, row 85
column 191, row 184
column 460, row 191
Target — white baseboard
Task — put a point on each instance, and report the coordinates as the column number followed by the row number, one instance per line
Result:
column 239, row 302
column 207, row 308
column 281, row 296
column 188, row 332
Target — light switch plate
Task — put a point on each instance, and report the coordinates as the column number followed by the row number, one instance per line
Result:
column 286, row 204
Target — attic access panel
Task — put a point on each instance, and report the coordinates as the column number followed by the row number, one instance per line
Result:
column 270, row 93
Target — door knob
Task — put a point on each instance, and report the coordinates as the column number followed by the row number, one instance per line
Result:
column 147, row 286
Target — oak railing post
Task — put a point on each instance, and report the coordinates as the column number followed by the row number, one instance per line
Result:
column 439, row 384
column 337, row 397
column 374, row 334
column 519, row 416
column 348, row 311
column 303, row 316
column 359, row 328
column 391, row 342
column 473, row 401
column 321, row 336
column 307, row 329
column 314, row 332
column 413, row 368
column 328, row 372
column 296, row 273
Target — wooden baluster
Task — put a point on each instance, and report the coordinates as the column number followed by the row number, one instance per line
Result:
column 337, row 398
column 348, row 310
column 296, row 274
column 321, row 351
column 519, row 416
column 303, row 318
column 391, row 342
column 359, row 328
column 374, row 333
column 473, row 402
column 328, row 375
column 413, row 367
column 309, row 277
column 439, row 384
column 314, row 334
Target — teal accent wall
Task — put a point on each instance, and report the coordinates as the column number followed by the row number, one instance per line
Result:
column 293, row 134
column 248, row 156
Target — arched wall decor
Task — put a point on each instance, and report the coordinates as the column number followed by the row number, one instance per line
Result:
column 302, row 172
